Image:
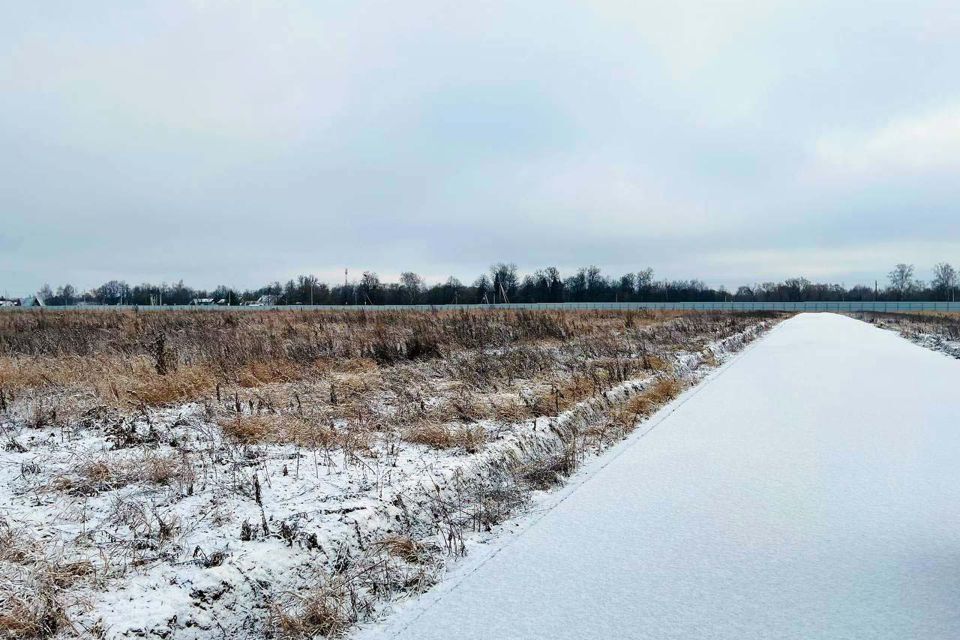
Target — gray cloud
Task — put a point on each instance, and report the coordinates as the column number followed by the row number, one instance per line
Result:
column 238, row 143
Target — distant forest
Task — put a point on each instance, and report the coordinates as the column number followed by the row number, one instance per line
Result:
column 503, row 283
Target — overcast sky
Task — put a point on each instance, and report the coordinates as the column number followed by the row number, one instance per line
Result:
column 238, row 143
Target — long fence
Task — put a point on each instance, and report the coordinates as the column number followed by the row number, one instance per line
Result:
column 589, row 306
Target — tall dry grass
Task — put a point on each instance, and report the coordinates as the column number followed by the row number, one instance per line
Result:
column 134, row 358
column 946, row 325
column 287, row 376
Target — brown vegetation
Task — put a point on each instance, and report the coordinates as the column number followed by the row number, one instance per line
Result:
column 411, row 370
column 31, row 595
column 370, row 415
column 946, row 325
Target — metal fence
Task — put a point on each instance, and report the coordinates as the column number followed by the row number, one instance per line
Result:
column 589, row 306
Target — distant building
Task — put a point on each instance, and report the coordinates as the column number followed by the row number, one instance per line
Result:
column 263, row 301
column 202, row 302
column 32, row 301
column 9, row 303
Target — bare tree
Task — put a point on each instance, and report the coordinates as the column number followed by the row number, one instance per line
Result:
column 644, row 282
column 369, row 287
column 45, row 294
column 901, row 279
column 454, row 289
column 944, row 280
column 116, row 291
column 306, row 287
column 412, row 286
column 483, row 288
column 67, row 294
column 505, row 280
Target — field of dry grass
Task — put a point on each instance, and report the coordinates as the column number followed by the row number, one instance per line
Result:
column 285, row 473
column 378, row 369
column 931, row 329
column 932, row 322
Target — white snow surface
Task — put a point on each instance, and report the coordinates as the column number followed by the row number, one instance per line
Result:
column 810, row 488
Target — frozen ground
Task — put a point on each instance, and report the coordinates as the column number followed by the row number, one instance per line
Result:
column 810, row 489
column 154, row 525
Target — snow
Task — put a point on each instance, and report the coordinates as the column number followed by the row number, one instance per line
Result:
column 146, row 584
column 937, row 332
column 937, row 343
column 925, row 334
column 808, row 489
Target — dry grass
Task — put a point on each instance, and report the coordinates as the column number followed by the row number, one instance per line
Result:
column 325, row 611
column 321, row 378
column 548, row 472
column 662, row 391
column 403, row 547
column 252, row 349
column 272, row 345
column 279, row 429
column 253, row 429
column 440, row 436
column 115, row 355
column 434, row 435
column 38, row 617
column 31, row 589
column 946, row 325
column 95, row 476
column 185, row 383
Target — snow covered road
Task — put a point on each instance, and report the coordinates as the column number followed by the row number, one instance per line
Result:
column 810, row 489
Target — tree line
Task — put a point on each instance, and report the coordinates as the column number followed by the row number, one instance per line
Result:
column 504, row 283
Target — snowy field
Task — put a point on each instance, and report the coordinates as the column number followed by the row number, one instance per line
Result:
column 808, row 489
column 299, row 501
